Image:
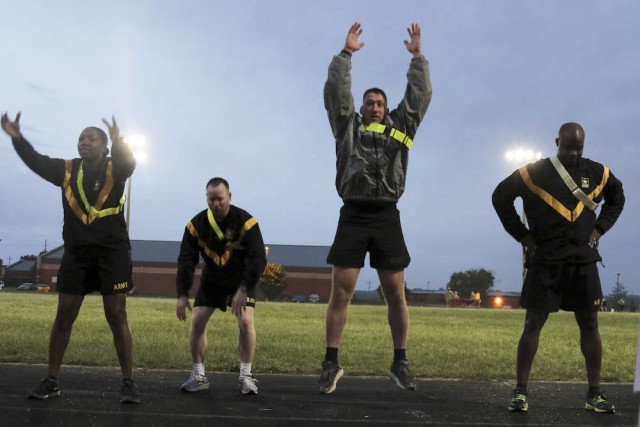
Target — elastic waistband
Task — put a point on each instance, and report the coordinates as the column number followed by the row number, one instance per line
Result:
column 372, row 206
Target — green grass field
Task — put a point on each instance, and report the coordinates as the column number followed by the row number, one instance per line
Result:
column 443, row 343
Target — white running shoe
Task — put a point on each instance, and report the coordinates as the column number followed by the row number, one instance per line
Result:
column 195, row 383
column 247, row 385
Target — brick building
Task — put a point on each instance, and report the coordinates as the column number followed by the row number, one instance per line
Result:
column 155, row 265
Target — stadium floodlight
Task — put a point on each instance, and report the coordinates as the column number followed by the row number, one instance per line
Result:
column 522, row 155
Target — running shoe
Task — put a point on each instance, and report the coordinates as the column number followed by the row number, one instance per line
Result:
column 402, row 376
column 47, row 388
column 247, row 385
column 519, row 403
column 129, row 391
column 599, row 403
column 195, row 383
column 331, row 373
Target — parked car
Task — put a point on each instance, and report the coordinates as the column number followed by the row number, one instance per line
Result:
column 1, row 285
column 26, row 286
column 299, row 298
column 314, row 298
column 39, row 287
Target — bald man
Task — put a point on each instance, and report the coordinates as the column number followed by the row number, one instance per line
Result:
column 560, row 196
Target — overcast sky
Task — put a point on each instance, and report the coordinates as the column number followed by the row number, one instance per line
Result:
column 234, row 89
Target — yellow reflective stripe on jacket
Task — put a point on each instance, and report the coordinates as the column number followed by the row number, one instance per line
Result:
column 68, row 194
column 214, row 225
column 596, row 191
column 394, row 133
column 90, row 213
column 570, row 216
column 221, row 260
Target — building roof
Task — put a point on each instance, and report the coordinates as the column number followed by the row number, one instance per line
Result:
column 298, row 256
column 141, row 251
column 167, row 252
column 155, row 251
column 22, row 265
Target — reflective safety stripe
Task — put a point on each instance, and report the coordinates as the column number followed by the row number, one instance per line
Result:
column 393, row 133
column 570, row 216
column 571, row 184
column 214, row 225
column 90, row 213
column 221, row 260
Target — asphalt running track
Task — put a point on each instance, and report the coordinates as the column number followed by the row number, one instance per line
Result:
column 90, row 397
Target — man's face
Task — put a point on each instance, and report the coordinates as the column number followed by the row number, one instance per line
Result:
column 218, row 199
column 570, row 146
column 373, row 108
column 90, row 145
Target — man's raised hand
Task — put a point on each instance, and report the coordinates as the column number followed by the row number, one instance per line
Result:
column 414, row 45
column 351, row 44
column 12, row 128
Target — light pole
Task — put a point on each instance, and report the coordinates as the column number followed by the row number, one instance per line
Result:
column 520, row 157
column 137, row 145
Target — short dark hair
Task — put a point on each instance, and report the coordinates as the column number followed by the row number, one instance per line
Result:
column 378, row 91
column 571, row 128
column 103, row 134
column 214, row 182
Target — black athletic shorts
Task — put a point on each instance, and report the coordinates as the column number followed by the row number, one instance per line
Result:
column 572, row 287
column 219, row 297
column 92, row 268
column 369, row 228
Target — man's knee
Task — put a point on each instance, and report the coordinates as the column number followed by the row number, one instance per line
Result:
column 67, row 312
column 393, row 287
column 199, row 320
column 587, row 321
column 115, row 309
column 534, row 321
column 245, row 321
column 64, row 320
column 343, row 284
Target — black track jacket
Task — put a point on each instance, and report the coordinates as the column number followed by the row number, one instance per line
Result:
column 560, row 224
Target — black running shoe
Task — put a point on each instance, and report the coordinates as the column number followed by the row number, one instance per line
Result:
column 599, row 403
column 331, row 373
column 402, row 376
column 47, row 388
column 129, row 391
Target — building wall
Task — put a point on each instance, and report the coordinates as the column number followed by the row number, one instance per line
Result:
column 160, row 279
column 306, row 281
column 14, row 278
column 415, row 298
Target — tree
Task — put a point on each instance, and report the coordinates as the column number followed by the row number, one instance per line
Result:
column 273, row 281
column 618, row 296
column 474, row 280
column 28, row 257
